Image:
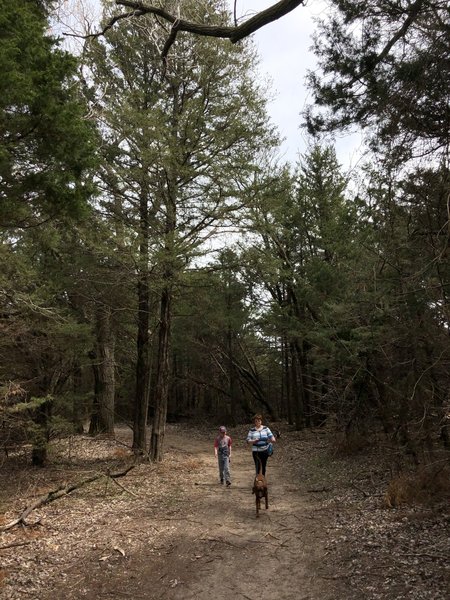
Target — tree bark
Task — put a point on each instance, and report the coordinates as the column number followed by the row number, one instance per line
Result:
column 234, row 34
column 232, row 378
column 297, row 387
column 286, row 378
column 162, row 377
column 102, row 420
column 143, row 337
column 39, row 451
column 77, row 414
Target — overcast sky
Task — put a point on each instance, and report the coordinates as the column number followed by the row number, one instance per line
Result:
column 286, row 56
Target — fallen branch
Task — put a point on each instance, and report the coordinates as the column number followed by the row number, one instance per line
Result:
column 234, row 34
column 363, row 492
column 425, row 554
column 60, row 493
column 14, row 545
column 124, row 488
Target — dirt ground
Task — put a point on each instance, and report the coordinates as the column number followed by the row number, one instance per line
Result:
column 172, row 531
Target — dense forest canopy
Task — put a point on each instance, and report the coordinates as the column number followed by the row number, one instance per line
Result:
column 123, row 297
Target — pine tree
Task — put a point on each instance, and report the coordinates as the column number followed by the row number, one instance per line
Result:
column 46, row 145
column 385, row 67
column 47, row 151
column 180, row 140
column 307, row 228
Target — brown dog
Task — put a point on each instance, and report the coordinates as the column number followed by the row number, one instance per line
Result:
column 260, row 490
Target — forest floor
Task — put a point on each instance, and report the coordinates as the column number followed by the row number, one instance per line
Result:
column 171, row 531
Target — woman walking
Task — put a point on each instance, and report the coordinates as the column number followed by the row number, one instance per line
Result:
column 259, row 437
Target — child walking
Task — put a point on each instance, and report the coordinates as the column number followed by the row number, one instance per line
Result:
column 222, row 451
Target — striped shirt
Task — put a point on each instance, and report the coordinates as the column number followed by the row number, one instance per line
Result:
column 263, row 436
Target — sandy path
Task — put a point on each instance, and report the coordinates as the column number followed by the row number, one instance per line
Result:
column 220, row 547
column 204, row 539
column 169, row 530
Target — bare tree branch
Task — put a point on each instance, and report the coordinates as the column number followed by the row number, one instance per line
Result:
column 60, row 492
column 234, row 34
column 109, row 25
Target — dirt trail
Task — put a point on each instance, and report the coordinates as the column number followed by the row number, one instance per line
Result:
column 210, row 542
column 224, row 548
column 278, row 553
column 170, row 530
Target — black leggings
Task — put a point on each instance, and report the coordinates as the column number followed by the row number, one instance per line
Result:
column 263, row 456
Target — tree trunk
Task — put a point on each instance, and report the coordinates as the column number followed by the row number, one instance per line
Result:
column 296, row 387
column 102, row 420
column 142, row 369
column 232, row 378
column 162, row 377
column 143, row 337
column 168, row 198
column 77, row 413
column 41, row 437
column 306, row 383
column 286, row 378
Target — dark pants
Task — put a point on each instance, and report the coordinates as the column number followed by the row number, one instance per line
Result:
column 263, row 456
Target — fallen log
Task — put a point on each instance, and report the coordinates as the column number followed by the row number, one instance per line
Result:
column 60, row 493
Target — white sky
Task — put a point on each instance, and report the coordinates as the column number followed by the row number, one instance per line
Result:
column 286, row 56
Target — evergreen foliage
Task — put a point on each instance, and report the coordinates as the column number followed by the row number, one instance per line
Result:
column 46, row 146
column 327, row 308
column 47, row 153
column 385, row 66
column 181, row 141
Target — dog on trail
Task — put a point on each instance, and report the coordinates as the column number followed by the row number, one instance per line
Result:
column 260, row 490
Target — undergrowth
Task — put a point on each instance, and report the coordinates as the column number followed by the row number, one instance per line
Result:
column 427, row 485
